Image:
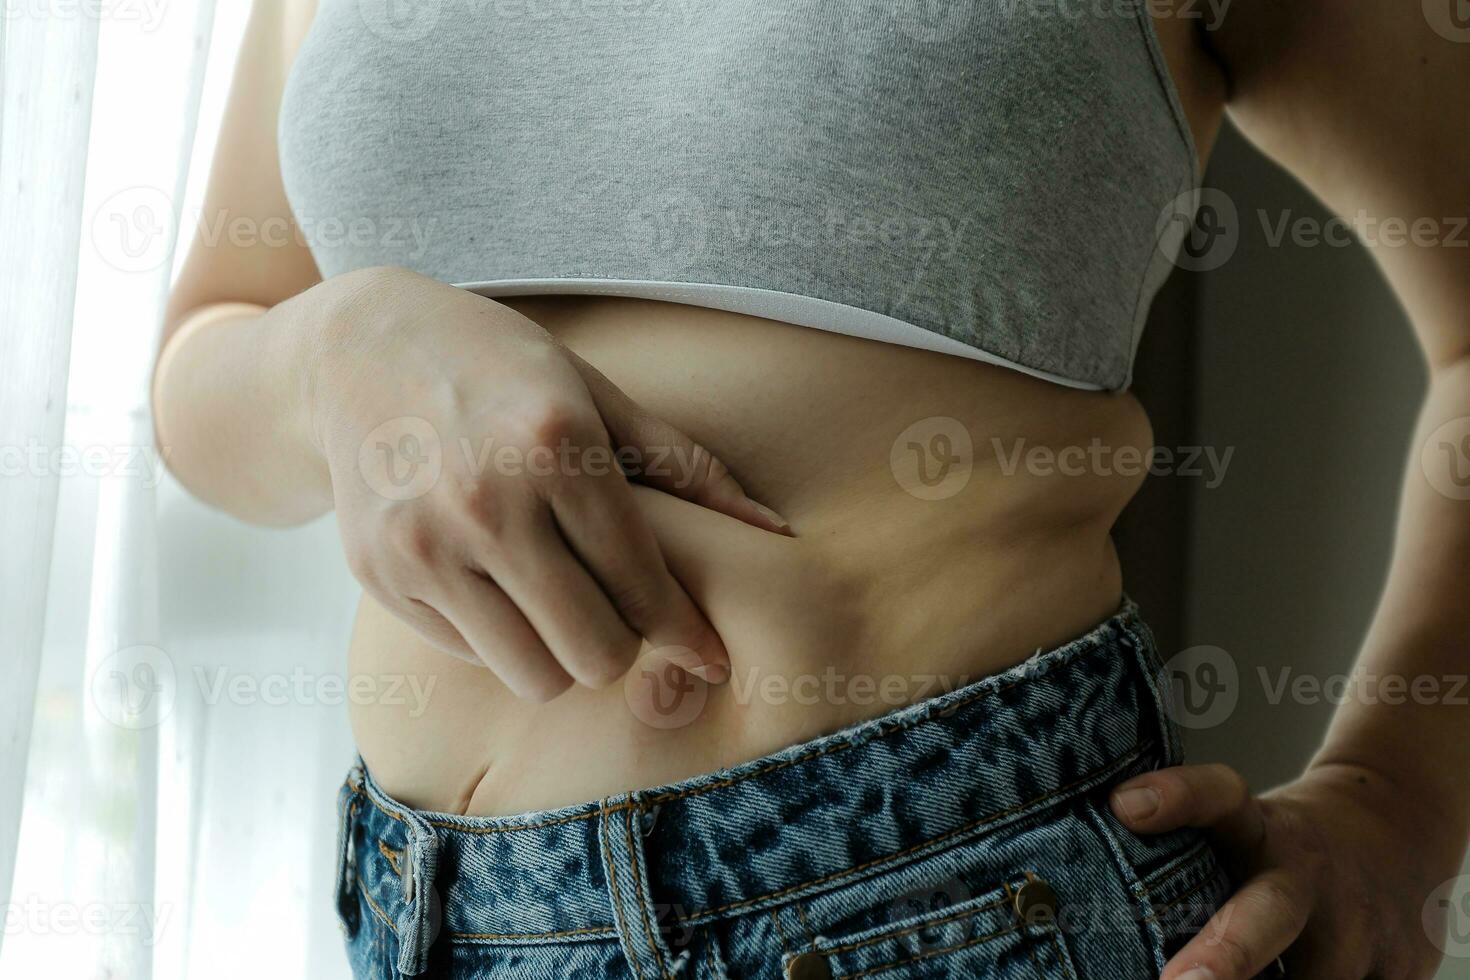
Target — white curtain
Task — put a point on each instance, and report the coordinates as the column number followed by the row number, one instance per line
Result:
column 171, row 742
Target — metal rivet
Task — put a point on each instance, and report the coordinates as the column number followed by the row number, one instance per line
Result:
column 1036, row 903
column 808, row 966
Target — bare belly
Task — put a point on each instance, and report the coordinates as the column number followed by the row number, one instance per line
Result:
column 918, row 564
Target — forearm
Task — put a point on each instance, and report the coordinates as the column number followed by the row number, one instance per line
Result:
column 1408, row 714
column 231, row 409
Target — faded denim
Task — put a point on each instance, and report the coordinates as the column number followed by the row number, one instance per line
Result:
column 965, row 836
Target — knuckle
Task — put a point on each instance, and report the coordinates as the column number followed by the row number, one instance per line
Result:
column 637, row 601
column 715, row 470
column 479, row 503
column 1232, row 782
column 602, row 668
column 1177, row 793
column 702, row 467
column 551, row 423
column 1276, row 899
column 409, row 535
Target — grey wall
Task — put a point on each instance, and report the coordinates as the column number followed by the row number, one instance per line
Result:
column 1303, row 363
column 1307, row 367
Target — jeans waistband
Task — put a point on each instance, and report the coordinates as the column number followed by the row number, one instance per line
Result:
column 925, row 777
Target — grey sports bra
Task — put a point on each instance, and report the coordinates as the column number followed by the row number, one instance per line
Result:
column 997, row 179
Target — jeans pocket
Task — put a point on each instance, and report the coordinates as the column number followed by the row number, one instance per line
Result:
column 1183, row 894
column 1007, row 931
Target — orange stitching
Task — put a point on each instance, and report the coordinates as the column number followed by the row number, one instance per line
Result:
column 450, row 825
column 769, row 767
column 1132, row 753
column 1176, row 866
column 658, row 956
column 362, row 887
column 811, row 937
column 1117, row 763
column 1056, row 945
column 1035, row 963
column 780, row 933
column 829, row 750
column 533, row 935
column 998, row 903
column 612, row 871
column 928, row 953
column 1178, row 900
column 1183, row 864
column 392, row 856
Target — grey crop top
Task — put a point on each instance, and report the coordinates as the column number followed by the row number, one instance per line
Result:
column 996, row 179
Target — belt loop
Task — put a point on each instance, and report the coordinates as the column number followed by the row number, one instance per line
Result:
column 639, row 922
column 347, row 803
column 1140, row 638
column 423, row 916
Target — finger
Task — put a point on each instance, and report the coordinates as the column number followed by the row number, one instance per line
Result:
column 1209, row 796
column 1254, row 927
column 500, row 637
column 600, row 519
column 538, row 572
column 671, row 461
column 423, row 619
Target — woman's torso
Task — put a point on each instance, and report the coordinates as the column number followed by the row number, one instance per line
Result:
column 915, row 565
column 919, row 561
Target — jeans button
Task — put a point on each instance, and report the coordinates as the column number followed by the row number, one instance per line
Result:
column 808, row 966
column 1036, row 903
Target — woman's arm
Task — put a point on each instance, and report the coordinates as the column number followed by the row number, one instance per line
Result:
column 1365, row 102
column 238, row 438
column 393, row 399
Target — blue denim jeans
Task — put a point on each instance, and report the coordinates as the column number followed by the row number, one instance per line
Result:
column 964, row 836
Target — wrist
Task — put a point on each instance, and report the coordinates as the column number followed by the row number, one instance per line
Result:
column 1436, row 812
column 330, row 327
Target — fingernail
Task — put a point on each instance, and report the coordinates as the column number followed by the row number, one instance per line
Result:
column 780, row 522
column 1197, row 973
column 1138, row 803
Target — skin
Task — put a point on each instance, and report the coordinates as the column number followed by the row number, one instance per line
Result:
column 270, row 378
